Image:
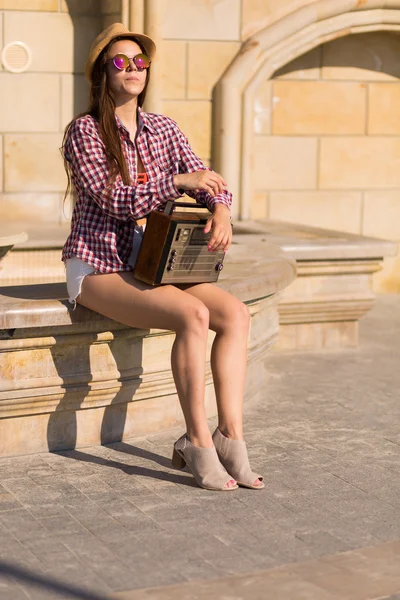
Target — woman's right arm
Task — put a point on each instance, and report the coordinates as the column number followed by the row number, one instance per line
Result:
column 85, row 153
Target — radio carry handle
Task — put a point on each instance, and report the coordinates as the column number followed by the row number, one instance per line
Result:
column 171, row 204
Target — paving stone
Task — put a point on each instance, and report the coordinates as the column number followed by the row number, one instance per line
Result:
column 325, row 437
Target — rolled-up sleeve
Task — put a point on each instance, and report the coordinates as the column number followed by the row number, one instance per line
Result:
column 85, row 152
column 189, row 163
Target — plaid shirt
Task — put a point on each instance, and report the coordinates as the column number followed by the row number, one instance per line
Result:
column 104, row 216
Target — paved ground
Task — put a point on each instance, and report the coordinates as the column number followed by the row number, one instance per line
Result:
column 327, row 438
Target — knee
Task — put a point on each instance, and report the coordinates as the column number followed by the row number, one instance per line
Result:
column 241, row 317
column 196, row 318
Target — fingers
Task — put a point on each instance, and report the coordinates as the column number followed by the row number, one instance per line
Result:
column 221, row 237
column 211, row 182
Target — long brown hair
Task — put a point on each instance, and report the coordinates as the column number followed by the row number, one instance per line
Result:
column 102, row 108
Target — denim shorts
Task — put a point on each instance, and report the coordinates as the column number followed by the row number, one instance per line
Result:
column 77, row 269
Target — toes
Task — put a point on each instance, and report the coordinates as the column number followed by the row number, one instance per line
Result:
column 257, row 482
column 231, row 483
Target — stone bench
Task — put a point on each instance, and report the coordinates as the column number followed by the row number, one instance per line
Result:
column 73, row 378
column 334, row 285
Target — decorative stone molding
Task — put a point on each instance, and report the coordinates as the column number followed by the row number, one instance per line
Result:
column 333, row 289
column 262, row 55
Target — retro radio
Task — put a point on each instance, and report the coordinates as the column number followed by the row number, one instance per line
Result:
column 174, row 247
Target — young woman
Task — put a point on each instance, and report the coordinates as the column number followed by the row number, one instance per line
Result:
column 124, row 163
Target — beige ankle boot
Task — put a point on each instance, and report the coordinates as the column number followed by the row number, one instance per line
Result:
column 233, row 455
column 203, row 463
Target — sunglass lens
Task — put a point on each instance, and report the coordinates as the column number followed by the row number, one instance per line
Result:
column 120, row 61
column 142, row 61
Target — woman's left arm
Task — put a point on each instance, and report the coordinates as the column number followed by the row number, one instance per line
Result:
column 218, row 203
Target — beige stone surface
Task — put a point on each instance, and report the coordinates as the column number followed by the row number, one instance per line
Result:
column 34, row 207
column 366, row 57
column 381, row 214
column 66, row 44
column 257, row 14
column 78, row 7
column 359, row 162
column 383, row 113
column 262, row 108
column 32, row 163
column 282, row 163
column 29, row 102
column 332, row 210
column 318, row 107
column 259, row 207
column 202, row 20
column 174, row 69
column 1, row 163
column 206, row 63
column 47, row 5
column 1, row 37
column 307, row 66
column 74, row 97
column 317, row 336
column 194, row 118
column 388, row 279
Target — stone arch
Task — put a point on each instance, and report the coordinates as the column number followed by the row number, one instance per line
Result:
column 266, row 52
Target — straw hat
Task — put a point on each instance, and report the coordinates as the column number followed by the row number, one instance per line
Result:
column 105, row 37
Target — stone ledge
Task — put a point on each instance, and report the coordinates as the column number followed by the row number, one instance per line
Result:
column 334, row 285
column 75, row 378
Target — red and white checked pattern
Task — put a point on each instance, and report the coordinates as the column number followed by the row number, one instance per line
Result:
column 104, row 215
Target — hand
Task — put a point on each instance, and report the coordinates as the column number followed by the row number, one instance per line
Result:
column 209, row 181
column 221, row 230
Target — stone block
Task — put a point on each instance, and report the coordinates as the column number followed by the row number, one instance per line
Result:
column 174, row 70
column 194, row 118
column 259, row 207
column 359, row 162
column 263, row 108
column 35, row 208
column 77, row 7
column 215, row 20
column 318, row 107
column 33, row 163
column 29, row 102
column 387, row 280
column 307, row 66
column 1, row 37
column 47, row 5
column 284, row 163
column 366, row 57
column 331, row 210
column 206, row 63
column 74, row 97
column 383, row 113
column 1, row 163
column 58, row 44
column 381, row 214
column 257, row 14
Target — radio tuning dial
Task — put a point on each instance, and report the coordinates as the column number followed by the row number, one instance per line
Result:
column 219, row 266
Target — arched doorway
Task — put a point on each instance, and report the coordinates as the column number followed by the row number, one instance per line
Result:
column 265, row 53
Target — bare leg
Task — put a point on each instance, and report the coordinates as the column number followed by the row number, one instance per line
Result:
column 230, row 319
column 124, row 299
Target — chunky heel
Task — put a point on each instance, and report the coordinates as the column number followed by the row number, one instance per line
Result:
column 178, row 462
column 203, row 463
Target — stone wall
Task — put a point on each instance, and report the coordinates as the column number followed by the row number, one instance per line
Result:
column 326, row 128
column 36, row 105
column 327, row 141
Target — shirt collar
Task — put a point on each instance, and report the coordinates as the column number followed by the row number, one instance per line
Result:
column 143, row 122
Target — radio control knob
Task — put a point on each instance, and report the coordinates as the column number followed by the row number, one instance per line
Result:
column 219, row 266
column 174, row 252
